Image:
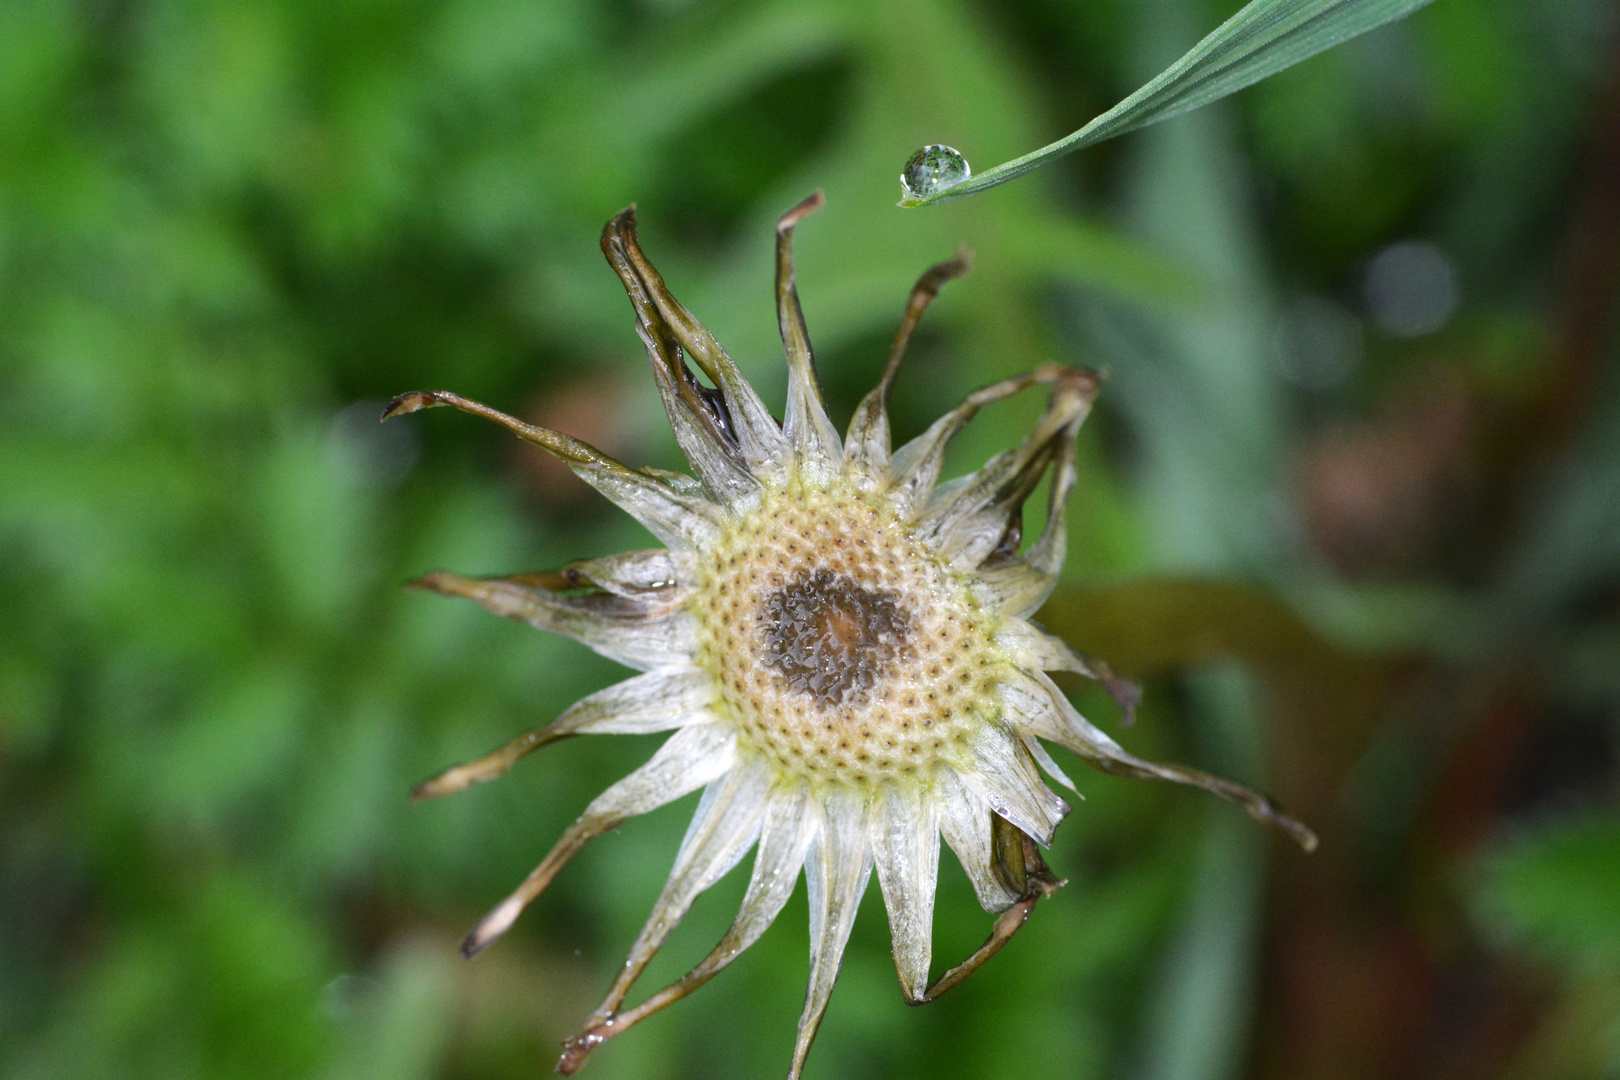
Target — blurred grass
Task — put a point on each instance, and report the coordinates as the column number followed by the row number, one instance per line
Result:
column 228, row 230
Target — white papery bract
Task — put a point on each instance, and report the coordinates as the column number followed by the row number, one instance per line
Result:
column 839, row 643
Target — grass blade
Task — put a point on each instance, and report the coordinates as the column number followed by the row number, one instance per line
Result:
column 1265, row 37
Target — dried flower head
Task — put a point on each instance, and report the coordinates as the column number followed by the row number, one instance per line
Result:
column 841, row 644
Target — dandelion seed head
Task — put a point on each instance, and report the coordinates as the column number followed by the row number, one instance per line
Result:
column 839, row 644
column 842, row 648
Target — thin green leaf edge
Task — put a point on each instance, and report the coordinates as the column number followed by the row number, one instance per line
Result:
column 1263, row 38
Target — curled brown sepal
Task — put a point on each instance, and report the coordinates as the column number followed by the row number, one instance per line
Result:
column 922, row 294
column 679, row 518
column 1260, row 807
column 804, row 422
column 868, row 442
column 974, row 520
column 731, row 412
column 720, row 429
column 1018, row 862
column 655, row 308
column 916, row 466
column 576, row 1048
column 789, row 314
column 487, row 768
column 563, row 446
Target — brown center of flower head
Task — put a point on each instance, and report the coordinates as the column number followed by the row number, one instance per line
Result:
column 831, row 638
column 839, row 646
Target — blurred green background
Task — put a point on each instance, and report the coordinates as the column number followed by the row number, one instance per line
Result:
column 1350, row 507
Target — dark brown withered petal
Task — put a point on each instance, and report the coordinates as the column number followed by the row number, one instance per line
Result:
column 755, row 430
column 688, row 760
column 1053, row 716
column 674, row 516
column 698, row 415
column 967, row 521
column 868, row 443
column 806, row 425
column 1019, row 866
column 787, row 831
column 915, row 467
column 655, row 701
column 1018, row 585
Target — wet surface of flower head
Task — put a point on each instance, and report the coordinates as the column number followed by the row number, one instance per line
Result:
column 833, row 639
column 839, row 643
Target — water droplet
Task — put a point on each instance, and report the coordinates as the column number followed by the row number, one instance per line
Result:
column 931, row 170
